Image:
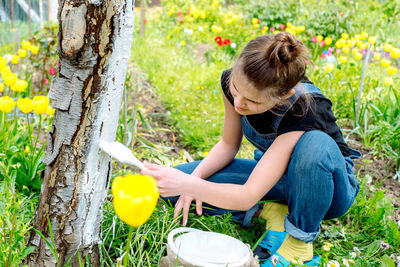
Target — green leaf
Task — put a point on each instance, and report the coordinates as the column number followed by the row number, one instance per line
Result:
column 373, row 248
column 387, row 261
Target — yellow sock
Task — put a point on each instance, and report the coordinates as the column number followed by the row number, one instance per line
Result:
column 274, row 213
column 293, row 249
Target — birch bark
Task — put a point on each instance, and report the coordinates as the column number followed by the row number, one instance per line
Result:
column 94, row 48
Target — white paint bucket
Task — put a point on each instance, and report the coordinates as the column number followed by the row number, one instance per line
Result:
column 202, row 248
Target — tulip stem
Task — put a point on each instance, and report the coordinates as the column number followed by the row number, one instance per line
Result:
column 128, row 245
column 38, row 133
column 29, row 130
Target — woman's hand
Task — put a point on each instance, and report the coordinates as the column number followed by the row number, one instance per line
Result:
column 183, row 204
column 170, row 181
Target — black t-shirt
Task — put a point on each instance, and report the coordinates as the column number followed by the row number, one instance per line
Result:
column 318, row 116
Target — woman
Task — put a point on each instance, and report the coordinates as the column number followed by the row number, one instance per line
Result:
column 301, row 158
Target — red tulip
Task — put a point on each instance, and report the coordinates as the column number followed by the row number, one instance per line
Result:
column 52, row 71
column 218, row 39
column 227, row 42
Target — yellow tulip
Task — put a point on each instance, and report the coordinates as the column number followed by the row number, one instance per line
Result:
column 14, row 59
column 385, row 62
column 340, row 43
column 291, row 31
column 1, row 87
column 9, row 78
column 300, row 29
column 343, row 59
column 50, row 110
column 319, row 38
column 394, row 52
column 328, row 40
column 387, row 47
column 254, row 20
column 7, row 104
column 361, row 45
column 352, row 41
column 26, row 45
column 24, row 104
column 391, row 70
column 216, row 29
column 182, row 43
column 34, row 49
column 19, row 86
column 346, row 49
column 364, row 35
column 358, row 56
column 40, row 104
column 345, row 36
column 329, row 67
column 372, row 40
column 289, row 25
column 27, row 150
column 22, row 53
column 377, row 56
column 3, row 62
column 5, row 70
column 135, row 197
column 387, row 81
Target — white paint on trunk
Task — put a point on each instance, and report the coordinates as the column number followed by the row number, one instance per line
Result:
column 94, row 186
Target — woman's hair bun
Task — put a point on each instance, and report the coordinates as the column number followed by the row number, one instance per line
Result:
column 285, row 48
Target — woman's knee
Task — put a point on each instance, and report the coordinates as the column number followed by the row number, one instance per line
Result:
column 314, row 149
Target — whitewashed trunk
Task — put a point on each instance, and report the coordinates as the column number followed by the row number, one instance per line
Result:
column 95, row 42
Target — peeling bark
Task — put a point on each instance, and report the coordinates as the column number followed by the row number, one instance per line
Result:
column 94, row 48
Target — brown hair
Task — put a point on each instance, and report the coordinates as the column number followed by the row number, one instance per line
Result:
column 273, row 64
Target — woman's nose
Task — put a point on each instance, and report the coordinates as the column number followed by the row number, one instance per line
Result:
column 239, row 101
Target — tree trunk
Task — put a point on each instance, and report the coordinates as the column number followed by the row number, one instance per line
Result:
column 94, row 48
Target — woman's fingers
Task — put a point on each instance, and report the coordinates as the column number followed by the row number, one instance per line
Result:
column 152, row 166
column 199, row 207
column 178, row 207
column 152, row 170
column 185, row 211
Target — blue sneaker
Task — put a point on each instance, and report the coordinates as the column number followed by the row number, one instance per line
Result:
column 270, row 244
column 276, row 260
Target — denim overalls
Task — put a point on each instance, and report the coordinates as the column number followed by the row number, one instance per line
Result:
column 319, row 182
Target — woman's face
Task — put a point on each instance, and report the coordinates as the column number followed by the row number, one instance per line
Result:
column 247, row 99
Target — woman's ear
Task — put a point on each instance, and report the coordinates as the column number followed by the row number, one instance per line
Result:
column 289, row 94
